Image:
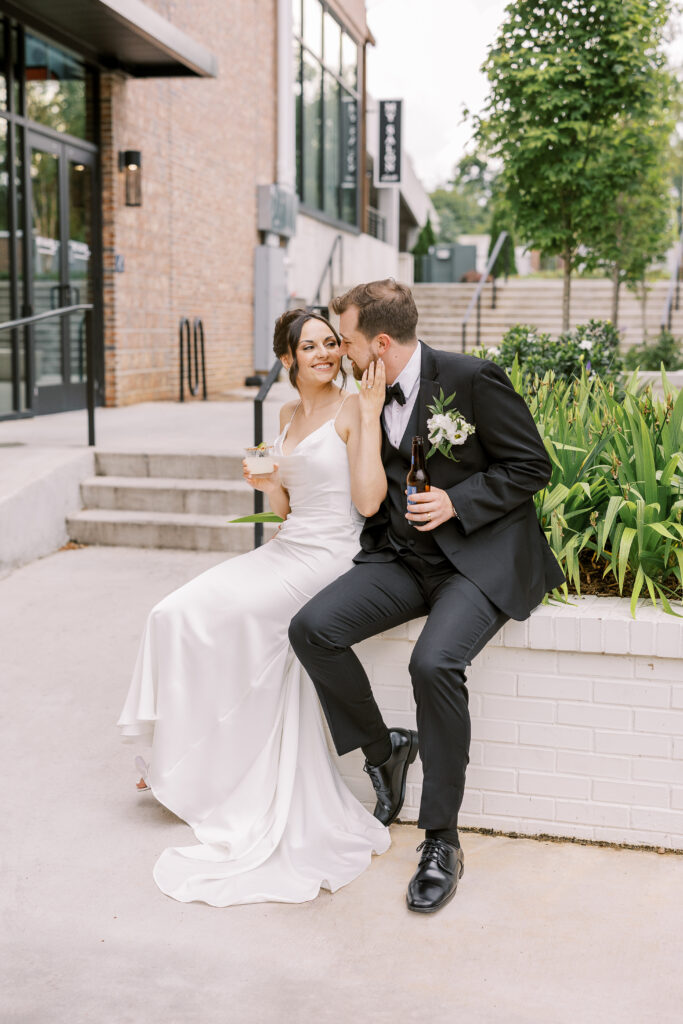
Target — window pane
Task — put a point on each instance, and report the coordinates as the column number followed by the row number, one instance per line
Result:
column 6, row 364
column 58, row 89
column 312, row 86
column 296, row 75
column 332, row 43
column 332, row 130
column 349, row 156
column 296, row 17
column 313, row 26
column 80, row 250
column 3, row 75
column 19, row 270
column 349, row 61
column 16, row 66
column 46, row 253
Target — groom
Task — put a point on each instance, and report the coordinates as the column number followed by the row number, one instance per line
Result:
column 469, row 554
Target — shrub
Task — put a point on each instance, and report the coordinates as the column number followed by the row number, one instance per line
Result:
column 616, row 490
column 593, row 347
column 665, row 351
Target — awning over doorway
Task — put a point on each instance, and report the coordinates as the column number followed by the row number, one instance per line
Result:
column 124, row 34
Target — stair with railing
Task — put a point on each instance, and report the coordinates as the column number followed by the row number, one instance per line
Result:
column 161, row 500
column 536, row 301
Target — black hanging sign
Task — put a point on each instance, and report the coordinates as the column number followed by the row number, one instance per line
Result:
column 349, row 142
column 389, row 142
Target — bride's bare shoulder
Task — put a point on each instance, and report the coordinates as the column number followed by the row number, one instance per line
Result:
column 286, row 412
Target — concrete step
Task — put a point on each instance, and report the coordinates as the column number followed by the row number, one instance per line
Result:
column 162, row 494
column 162, row 530
column 177, row 465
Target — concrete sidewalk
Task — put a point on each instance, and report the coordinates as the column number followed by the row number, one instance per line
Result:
column 224, row 426
column 538, row 932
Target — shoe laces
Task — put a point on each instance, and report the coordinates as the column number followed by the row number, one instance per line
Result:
column 435, row 849
column 374, row 773
column 377, row 784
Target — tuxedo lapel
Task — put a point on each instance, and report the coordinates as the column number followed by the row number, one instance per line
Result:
column 429, row 390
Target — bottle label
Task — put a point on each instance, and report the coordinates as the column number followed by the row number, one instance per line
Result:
column 411, row 489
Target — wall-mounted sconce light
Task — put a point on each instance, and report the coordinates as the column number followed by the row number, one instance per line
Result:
column 130, row 161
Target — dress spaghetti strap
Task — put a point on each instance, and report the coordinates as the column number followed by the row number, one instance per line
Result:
column 296, row 409
column 340, row 407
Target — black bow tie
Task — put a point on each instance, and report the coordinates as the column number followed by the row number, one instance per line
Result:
column 395, row 392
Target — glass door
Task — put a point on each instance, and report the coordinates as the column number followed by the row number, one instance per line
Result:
column 61, row 212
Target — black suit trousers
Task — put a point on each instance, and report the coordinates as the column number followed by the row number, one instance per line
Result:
column 375, row 596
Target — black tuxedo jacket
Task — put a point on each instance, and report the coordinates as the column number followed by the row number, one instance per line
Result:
column 497, row 541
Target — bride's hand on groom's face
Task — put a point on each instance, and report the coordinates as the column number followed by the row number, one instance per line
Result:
column 372, row 390
column 266, row 482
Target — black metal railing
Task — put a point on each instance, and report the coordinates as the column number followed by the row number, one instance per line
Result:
column 673, row 295
column 261, row 396
column 329, row 269
column 193, row 339
column 81, row 307
column 475, row 301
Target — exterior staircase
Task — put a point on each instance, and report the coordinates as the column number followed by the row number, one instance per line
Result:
column 160, row 500
column 536, row 301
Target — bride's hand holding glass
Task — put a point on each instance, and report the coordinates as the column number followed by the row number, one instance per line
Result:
column 266, row 482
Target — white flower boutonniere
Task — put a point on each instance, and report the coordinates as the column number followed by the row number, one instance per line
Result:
column 446, row 429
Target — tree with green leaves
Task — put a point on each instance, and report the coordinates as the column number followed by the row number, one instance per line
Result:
column 425, row 239
column 635, row 232
column 573, row 87
column 464, row 205
column 505, row 262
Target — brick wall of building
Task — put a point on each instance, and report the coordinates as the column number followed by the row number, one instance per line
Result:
column 206, row 144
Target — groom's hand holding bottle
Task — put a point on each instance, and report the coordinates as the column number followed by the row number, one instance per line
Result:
column 430, row 509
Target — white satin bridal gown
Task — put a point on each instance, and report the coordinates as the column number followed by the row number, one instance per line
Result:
column 239, row 750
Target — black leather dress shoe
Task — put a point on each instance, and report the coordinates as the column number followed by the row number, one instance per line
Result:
column 389, row 778
column 436, row 879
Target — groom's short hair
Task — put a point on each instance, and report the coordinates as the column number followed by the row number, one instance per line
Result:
column 384, row 307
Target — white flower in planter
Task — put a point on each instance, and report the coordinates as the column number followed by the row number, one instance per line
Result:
column 586, row 344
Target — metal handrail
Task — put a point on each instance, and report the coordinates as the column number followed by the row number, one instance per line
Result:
column 674, row 285
column 196, row 336
column 87, row 308
column 476, row 298
column 261, row 396
column 338, row 241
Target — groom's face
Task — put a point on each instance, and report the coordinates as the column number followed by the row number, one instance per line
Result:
column 360, row 350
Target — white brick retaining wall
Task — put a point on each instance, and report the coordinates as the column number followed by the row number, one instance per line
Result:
column 577, row 723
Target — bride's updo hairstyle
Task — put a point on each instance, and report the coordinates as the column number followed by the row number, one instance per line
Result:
column 287, row 336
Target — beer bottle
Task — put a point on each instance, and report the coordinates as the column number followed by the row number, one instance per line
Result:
column 417, row 480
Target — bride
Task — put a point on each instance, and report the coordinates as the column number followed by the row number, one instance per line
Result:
column 238, row 748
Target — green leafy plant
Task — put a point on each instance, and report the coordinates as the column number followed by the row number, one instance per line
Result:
column 664, row 351
column 593, row 347
column 615, row 497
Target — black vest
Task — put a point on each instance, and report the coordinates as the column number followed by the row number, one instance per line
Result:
column 401, row 535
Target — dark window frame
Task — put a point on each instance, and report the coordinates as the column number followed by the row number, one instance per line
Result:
column 18, row 123
column 319, row 212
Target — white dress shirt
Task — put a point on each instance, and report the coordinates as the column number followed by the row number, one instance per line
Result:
column 395, row 416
